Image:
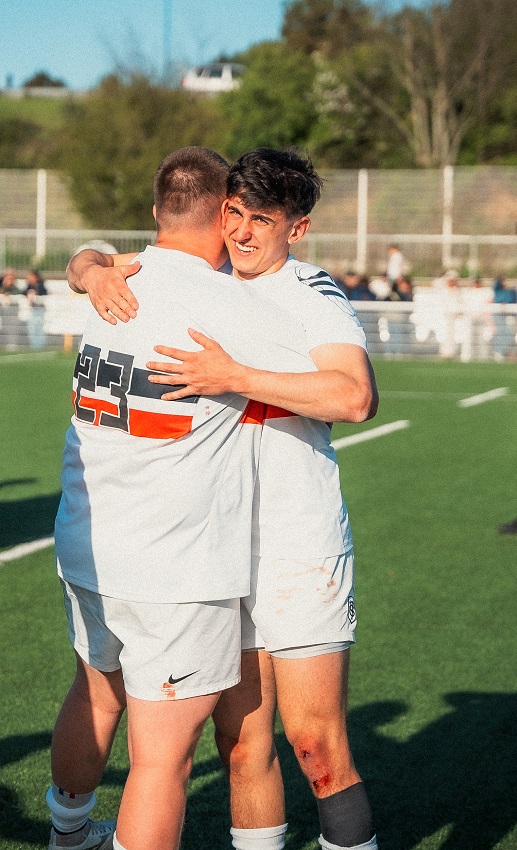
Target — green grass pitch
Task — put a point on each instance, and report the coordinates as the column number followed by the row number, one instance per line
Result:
column 433, row 692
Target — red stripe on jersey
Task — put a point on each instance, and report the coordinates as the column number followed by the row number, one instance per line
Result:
column 98, row 405
column 273, row 412
column 254, row 413
column 158, row 426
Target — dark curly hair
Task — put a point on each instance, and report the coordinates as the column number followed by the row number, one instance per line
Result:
column 268, row 179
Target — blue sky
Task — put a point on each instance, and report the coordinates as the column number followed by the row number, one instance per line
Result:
column 80, row 41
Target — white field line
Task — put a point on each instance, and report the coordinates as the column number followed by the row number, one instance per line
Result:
column 371, row 434
column 17, row 358
column 351, row 440
column 25, row 549
column 35, row 545
column 482, row 397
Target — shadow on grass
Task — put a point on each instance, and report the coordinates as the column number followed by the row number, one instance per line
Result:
column 457, row 775
column 15, row 482
column 27, row 519
column 459, row 772
column 14, row 824
column 16, row 747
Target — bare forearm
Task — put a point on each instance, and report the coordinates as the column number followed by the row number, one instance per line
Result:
column 79, row 264
column 331, row 396
column 342, row 390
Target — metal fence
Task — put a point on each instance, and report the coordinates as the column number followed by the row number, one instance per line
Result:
column 471, row 256
column 461, row 217
column 439, row 323
column 18, row 246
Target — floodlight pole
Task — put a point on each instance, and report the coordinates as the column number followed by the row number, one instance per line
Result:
column 41, row 214
column 362, row 221
column 167, row 31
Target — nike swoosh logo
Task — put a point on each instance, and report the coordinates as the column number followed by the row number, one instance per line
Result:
column 180, row 679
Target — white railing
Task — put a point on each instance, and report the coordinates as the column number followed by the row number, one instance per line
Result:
column 463, row 326
column 436, row 325
column 337, row 252
column 463, row 217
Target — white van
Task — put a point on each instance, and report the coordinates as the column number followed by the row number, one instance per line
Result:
column 216, row 77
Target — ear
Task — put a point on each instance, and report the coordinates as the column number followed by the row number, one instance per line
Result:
column 298, row 230
column 154, row 211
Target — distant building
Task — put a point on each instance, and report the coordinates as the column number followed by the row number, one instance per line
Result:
column 214, row 77
column 40, row 84
column 40, row 91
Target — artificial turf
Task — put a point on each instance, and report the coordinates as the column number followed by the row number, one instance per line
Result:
column 433, row 691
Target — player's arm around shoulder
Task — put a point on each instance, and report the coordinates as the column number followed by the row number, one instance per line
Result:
column 342, row 388
column 347, row 381
column 103, row 278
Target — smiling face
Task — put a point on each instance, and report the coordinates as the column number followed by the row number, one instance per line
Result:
column 258, row 242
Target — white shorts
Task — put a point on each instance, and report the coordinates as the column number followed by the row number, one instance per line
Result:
column 165, row 651
column 307, row 604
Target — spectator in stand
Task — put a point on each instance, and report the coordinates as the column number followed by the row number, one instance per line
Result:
column 453, row 308
column 395, row 267
column 504, row 324
column 363, row 291
column 8, row 285
column 404, row 288
column 35, row 292
column 380, row 286
column 10, row 326
column 357, row 288
column 349, row 283
column 394, row 328
column 35, row 284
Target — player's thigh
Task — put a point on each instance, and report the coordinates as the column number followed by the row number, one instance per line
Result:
column 312, row 693
column 163, row 733
column 100, row 688
column 246, row 712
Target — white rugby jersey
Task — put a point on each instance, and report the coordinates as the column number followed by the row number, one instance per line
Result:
column 157, row 495
column 299, row 511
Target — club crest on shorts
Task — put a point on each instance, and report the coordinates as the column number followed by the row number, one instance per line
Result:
column 351, row 612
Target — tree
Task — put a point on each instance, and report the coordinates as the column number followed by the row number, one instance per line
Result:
column 447, row 60
column 20, row 142
column 115, row 138
column 345, row 40
column 273, row 105
column 351, row 132
column 325, row 26
column 428, row 80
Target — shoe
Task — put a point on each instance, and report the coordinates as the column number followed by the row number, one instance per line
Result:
column 508, row 528
column 95, row 835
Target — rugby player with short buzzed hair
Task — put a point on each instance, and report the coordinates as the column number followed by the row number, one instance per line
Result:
column 151, row 578
column 299, row 619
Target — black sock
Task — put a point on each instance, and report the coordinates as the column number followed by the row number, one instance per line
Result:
column 346, row 817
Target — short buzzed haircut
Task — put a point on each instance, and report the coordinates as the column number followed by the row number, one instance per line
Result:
column 189, row 184
column 268, row 179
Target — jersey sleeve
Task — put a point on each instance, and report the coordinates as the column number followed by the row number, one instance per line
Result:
column 328, row 316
